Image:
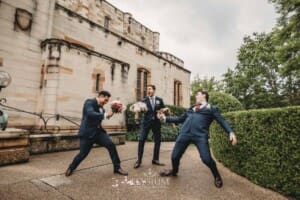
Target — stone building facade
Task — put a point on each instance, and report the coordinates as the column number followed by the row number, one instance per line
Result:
column 60, row 52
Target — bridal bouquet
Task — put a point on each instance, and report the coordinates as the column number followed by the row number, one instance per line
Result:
column 117, row 107
column 138, row 107
column 165, row 111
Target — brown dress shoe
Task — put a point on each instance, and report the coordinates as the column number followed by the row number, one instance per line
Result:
column 137, row 164
column 218, row 182
column 69, row 172
column 156, row 162
column 121, row 172
column 167, row 172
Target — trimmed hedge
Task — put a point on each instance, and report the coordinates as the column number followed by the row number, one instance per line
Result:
column 168, row 131
column 268, row 151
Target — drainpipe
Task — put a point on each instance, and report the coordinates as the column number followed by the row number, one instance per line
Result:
column 51, row 9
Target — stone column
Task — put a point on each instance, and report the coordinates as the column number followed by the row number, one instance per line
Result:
column 50, row 86
column 127, row 24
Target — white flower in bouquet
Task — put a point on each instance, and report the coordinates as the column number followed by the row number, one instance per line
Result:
column 117, row 107
column 138, row 107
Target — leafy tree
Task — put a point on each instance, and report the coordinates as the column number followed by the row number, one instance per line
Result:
column 255, row 80
column 268, row 70
column 287, row 35
column 206, row 84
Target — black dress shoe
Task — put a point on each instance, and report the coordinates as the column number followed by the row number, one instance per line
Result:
column 121, row 172
column 167, row 172
column 156, row 162
column 218, row 182
column 137, row 164
column 69, row 172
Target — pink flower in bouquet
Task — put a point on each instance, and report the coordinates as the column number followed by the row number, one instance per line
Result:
column 117, row 107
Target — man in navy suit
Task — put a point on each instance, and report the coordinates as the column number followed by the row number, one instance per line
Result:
column 195, row 129
column 91, row 132
column 150, row 122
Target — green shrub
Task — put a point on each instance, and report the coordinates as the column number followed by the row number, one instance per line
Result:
column 176, row 110
column 268, row 150
column 132, row 135
column 225, row 102
column 169, row 132
column 131, row 123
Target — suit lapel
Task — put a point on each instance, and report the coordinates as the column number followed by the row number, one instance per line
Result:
column 207, row 107
column 96, row 106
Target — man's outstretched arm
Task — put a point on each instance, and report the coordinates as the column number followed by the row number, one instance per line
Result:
column 225, row 125
column 173, row 119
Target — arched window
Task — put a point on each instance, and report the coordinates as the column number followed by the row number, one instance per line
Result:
column 98, row 82
column 177, row 93
column 143, row 79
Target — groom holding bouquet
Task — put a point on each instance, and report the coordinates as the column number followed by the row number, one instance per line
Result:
column 150, row 122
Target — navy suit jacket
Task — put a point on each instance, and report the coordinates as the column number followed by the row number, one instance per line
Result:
column 198, row 123
column 91, row 119
column 151, row 114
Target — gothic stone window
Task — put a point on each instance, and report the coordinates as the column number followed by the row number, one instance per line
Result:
column 98, row 80
column 177, row 93
column 106, row 22
column 139, row 51
column 143, row 39
column 143, row 77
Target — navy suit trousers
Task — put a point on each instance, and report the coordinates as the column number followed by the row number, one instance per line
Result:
column 202, row 145
column 86, row 145
column 155, row 126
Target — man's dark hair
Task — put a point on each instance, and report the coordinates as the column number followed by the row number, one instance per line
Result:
column 153, row 86
column 206, row 94
column 104, row 93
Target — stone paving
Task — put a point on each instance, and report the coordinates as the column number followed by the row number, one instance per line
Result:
column 43, row 178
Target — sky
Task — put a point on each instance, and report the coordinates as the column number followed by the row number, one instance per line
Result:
column 206, row 34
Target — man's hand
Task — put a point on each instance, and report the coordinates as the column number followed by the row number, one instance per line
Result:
column 160, row 115
column 109, row 114
column 232, row 138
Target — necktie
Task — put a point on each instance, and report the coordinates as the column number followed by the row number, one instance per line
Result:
column 197, row 108
column 152, row 102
